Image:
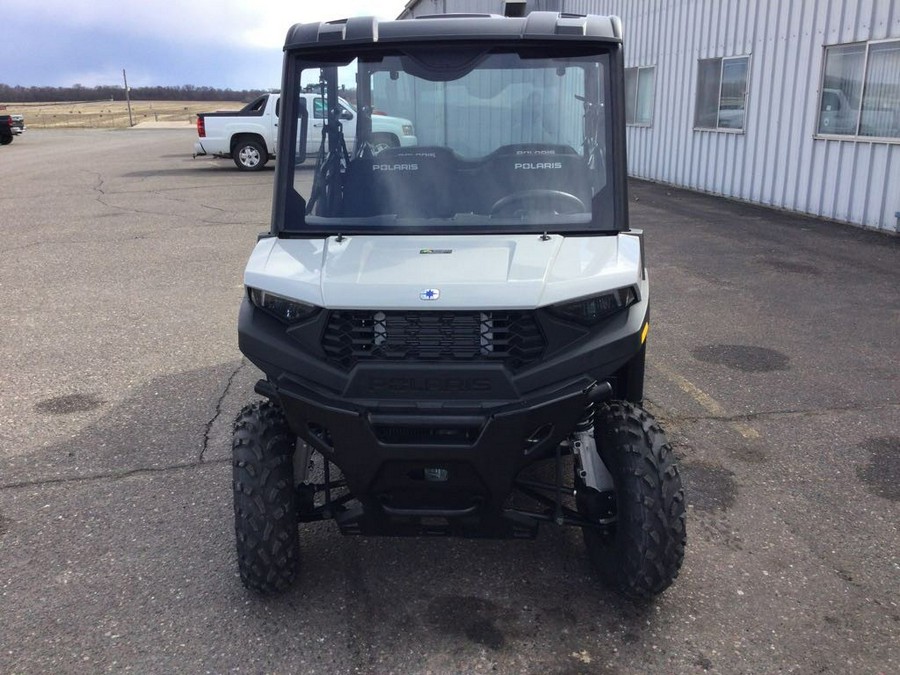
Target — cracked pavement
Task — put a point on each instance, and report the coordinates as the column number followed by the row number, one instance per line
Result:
column 773, row 363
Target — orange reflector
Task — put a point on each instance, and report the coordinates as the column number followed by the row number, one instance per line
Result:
column 644, row 332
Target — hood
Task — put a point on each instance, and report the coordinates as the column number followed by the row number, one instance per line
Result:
column 390, row 120
column 386, row 119
column 465, row 272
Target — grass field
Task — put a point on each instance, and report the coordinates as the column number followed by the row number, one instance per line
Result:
column 113, row 114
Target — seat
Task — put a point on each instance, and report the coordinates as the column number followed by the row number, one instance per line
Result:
column 533, row 169
column 408, row 182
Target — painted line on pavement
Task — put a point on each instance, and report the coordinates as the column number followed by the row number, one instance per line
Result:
column 705, row 401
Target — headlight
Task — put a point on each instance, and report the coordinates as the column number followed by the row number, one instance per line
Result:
column 408, row 130
column 593, row 310
column 283, row 309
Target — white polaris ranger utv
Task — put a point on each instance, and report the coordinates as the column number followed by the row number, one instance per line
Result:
column 436, row 320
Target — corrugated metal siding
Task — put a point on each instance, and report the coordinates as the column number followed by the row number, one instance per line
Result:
column 424, row 7
column 511, row 115
column 776, row 161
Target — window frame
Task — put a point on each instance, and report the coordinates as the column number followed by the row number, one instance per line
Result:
column 637, row 94
column 854, row 137
column 599, row 60
column 722, row 59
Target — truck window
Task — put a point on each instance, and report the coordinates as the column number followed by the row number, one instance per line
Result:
column 830, row 101
column 256, row 106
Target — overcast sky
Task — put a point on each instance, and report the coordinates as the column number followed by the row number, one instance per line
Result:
column 217, row 43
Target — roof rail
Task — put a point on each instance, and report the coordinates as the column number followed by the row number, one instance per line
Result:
column 461, row 15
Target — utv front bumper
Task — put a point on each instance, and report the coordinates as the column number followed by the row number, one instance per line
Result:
column 435, row 447
column 434, row 467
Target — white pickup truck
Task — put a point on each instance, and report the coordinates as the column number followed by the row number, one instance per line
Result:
column 839, row 116
column 248, row 136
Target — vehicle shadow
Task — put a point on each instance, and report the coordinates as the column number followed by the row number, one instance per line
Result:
column 199, row 170
column 390, row 604
column 162, row 423
column 447, row 602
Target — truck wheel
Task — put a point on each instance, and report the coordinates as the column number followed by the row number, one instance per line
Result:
column 6, row 140
column 381, row 142
column 641, row 554
column 249, row 155
column 265, row 515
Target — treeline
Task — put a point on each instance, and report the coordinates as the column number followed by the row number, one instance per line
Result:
column 187, row 92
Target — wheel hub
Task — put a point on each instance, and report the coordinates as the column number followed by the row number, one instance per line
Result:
column 249, row 157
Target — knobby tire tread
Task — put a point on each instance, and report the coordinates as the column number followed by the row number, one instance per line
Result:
column 265, row 516
column 643, row 556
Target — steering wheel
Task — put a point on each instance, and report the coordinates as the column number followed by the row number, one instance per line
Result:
column 539, row 201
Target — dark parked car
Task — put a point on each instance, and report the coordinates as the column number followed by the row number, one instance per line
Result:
column 10, row 125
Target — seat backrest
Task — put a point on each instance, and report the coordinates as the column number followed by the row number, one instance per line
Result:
column 520, row 168
column 414, row 182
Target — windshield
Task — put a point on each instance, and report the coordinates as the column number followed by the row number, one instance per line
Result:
column 493, row 138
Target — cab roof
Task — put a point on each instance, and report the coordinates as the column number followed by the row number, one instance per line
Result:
column 454, row 27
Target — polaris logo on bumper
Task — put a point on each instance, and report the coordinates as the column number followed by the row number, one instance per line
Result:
column 412, row 384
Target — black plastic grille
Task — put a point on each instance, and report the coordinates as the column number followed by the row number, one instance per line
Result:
column 511, row 337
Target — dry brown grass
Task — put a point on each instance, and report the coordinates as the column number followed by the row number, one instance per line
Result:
column 113, row 114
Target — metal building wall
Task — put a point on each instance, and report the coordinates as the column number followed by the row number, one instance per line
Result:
column 776, row 161
column 424, row 7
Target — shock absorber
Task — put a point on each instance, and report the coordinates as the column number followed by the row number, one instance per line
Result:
column 590, row 467
column 584, row 427
column 587, row 421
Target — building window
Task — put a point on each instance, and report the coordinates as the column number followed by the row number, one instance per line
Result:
column 721, row 93
column 860, row 93
column 639, row 95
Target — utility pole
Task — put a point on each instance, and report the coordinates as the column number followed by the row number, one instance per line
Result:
column 127, row 99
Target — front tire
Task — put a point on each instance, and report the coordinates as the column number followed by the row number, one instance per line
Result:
column 641, row 553
column 249, row 155
column 265, row 514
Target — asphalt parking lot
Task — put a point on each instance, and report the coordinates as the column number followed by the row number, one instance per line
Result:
column 774, row 364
